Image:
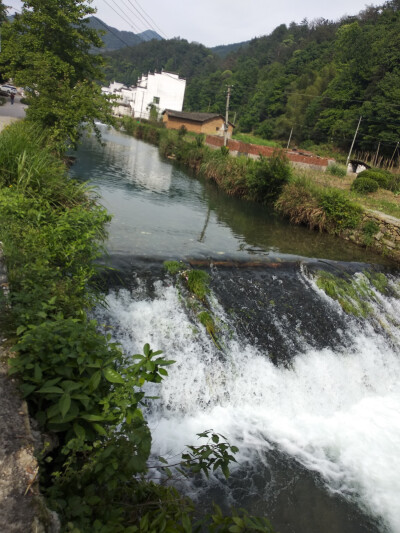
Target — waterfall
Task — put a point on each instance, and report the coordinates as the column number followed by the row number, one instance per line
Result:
column 331, row 408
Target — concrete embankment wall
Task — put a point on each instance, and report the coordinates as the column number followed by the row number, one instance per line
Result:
column 297, row 158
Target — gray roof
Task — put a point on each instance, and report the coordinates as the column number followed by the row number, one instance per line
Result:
column 195, row 117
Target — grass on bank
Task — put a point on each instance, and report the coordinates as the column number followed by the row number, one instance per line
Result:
column 382, row 200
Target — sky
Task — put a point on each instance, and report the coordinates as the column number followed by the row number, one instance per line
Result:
column 215, row 22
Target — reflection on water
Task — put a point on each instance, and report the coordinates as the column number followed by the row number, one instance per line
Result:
column 159, row 211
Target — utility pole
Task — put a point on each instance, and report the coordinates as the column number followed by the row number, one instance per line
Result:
column 290, row 136
column 376, row 155
column 352, row 144
column 397, row 145
column 228, row 96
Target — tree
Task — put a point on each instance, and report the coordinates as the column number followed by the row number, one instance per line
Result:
column 3, row 12
column 46, row 50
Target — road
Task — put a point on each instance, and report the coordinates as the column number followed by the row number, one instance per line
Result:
column 10, row 113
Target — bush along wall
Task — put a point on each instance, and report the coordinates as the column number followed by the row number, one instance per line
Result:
column 80, row 387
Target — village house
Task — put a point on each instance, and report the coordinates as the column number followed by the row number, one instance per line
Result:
column 208, row 123
column 152, row 94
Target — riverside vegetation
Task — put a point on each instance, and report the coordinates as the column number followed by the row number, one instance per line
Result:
column 294, row 193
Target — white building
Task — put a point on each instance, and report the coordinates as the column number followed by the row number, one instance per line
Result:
column 160, row 91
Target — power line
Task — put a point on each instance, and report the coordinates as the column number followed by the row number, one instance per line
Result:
column 127, row 18
column 124, row 18
column 110, row 30
column 147, row 15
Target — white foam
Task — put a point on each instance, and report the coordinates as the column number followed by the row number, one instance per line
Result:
column 338, row 412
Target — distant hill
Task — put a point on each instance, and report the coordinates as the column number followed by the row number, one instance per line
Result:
column 114, row 39
column 224, row 49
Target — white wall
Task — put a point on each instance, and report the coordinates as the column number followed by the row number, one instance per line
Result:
column 168, row 88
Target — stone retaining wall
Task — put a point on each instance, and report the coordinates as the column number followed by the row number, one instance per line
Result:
column 387, row 239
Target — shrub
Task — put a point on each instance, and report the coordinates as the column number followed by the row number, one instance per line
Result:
column 341, row 212
column 379, row 175
column 364, row 185
column 394, row 183
column 268, row 176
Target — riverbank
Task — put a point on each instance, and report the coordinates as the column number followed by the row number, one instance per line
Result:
column 319, row 200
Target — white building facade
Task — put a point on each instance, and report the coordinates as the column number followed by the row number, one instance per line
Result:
column 157, row 92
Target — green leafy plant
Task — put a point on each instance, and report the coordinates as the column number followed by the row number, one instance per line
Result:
column 268, row 176
column 173, row 267
column 364, row 185
column 340, row 211
column 369, row 229
column 198, row 282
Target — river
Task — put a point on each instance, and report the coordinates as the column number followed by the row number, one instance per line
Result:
column 309, row 394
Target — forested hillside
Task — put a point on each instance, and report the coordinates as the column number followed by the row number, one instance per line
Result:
column 316, row 77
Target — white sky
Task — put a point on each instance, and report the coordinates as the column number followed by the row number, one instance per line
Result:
column 215, row 22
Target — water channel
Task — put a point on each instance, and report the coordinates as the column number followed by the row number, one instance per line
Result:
column 310, row 395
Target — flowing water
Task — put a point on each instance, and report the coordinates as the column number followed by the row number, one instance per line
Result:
column 309, row 394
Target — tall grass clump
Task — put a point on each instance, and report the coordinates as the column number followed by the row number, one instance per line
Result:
column 229, row 173
column 299, row 201
column 327, row 209
column 337, row 170
column 26, row 164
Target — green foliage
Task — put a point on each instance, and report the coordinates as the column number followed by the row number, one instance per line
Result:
column 198, row 282
column 46, row 50
column 268, row 176
column 239, row 522
column 369, row 229
column 323, row 209
column 379, row 175
column 255, row 139
column 364, row 185
column 173, row 267
column 340, row 211
column 337, row 170
column 217, row 453
column 182, row 131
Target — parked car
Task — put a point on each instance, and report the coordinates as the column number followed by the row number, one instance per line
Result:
column 8, row 89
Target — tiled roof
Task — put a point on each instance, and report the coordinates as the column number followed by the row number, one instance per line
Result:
column 195, row 117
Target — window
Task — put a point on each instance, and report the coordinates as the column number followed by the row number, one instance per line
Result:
column 156, row 100
column 217, row 128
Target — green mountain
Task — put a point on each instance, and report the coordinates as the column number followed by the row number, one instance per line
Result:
column 315, row 78
column 114, row 39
